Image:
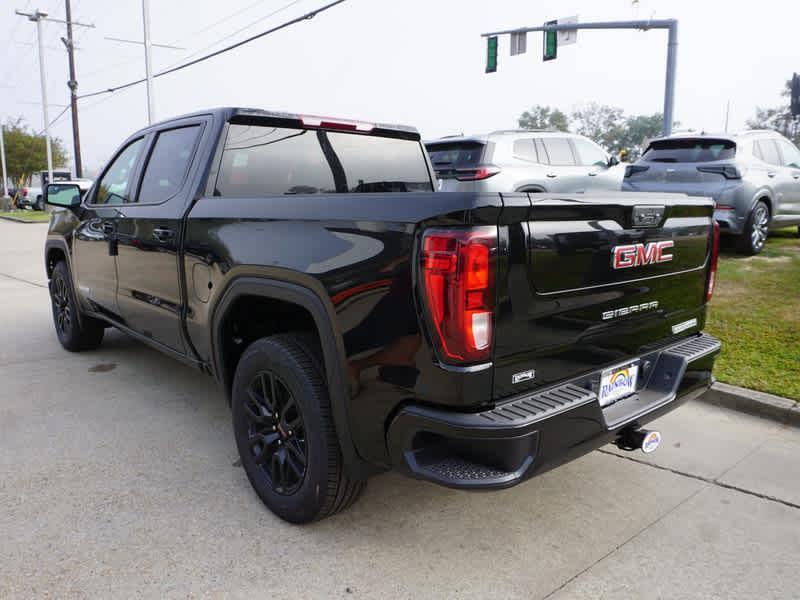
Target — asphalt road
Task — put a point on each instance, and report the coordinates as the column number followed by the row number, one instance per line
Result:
column 118, row 478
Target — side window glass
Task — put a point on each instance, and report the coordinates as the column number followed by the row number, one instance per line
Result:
column 791, row 155
column 769, row 152
column 526, row 150
column 589, row 153
column 559, row 151
column 168, row 164
column 113, row 186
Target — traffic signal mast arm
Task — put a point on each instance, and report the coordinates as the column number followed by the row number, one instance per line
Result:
column 671, row 25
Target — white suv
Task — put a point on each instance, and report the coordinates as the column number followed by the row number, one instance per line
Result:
column 523, row 161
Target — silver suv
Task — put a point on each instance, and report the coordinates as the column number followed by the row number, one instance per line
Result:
column 523, row 161
column 754, row 177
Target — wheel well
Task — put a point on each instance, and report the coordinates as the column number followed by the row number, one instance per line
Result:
column 252, row 317
column 766, row 200
column 54, row 256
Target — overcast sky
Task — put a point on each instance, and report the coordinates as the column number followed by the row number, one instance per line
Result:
column 412, row 61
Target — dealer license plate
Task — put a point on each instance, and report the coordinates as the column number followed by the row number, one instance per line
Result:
column 617, row 383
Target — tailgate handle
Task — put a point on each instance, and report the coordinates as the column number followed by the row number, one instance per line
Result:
column 647, row 215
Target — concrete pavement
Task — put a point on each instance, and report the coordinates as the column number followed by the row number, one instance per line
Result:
column 118, row 478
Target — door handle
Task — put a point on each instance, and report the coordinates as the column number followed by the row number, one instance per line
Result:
column 796, row 176
column 770, row 173
column 592, row 173
column 110, row 231
column 551, row 175
column 162, row 234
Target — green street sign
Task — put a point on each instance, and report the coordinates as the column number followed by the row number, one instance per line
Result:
column 491, row 54
column 550, row 49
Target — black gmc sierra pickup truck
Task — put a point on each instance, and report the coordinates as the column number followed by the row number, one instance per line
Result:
column 359, row 321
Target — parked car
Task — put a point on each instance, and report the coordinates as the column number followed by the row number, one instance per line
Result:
column 524, row 161
column 359, row 321
column 753, row 177
column 31, row 195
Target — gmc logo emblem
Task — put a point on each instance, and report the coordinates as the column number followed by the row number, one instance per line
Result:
column 637, row 255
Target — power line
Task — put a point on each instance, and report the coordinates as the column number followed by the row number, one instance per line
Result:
column 219, row 22
column 306, row 16
column 238, row 31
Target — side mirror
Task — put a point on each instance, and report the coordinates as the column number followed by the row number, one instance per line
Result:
column 66, row 195
column 613, row 161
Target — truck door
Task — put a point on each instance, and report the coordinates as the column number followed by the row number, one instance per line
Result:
column 149, row 280
column 94, row 243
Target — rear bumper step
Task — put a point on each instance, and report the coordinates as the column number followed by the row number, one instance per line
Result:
column 534, row 432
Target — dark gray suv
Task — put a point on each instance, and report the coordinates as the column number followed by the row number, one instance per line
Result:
column 754, row 178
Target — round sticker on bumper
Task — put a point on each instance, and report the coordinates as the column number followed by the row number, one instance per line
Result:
column 651, row 442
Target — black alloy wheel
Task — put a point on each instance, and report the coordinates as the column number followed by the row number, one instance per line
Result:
column 61, row 304
column 276, row 432
column 75, row 330
column 284, row 430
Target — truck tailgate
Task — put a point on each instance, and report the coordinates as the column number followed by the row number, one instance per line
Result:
column 594, row 281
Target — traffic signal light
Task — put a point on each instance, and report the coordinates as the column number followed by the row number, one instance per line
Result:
column 794, row 104
column 550, row 43
column 491, row 54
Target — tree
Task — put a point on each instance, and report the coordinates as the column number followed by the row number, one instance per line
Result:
column 778, row 118
column 601, row 123
column 26, row 151
column 638, row 130
column 544, row 117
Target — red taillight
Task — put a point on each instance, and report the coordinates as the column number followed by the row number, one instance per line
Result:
column 458, row 272
column 476, row 174
column 712, row 268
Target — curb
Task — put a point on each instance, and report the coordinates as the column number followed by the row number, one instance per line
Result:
column 755, row 403
column 18, row 220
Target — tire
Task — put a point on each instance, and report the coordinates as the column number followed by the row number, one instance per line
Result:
column 754, row 236
column 284, row 430
column 75, row 331
column 39, row 204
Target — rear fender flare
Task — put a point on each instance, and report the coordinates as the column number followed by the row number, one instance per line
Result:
column 321, row 311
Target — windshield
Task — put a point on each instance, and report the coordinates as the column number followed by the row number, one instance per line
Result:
column 690, row 150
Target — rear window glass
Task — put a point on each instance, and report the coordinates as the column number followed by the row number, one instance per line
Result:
column 263, row 161
column 456, row 155
column 690, row 150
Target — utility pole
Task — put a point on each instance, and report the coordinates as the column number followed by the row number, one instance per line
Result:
column 73, row 94
column 671, row 25
column 37, row 17
column 147, row 65
column 3, row 158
